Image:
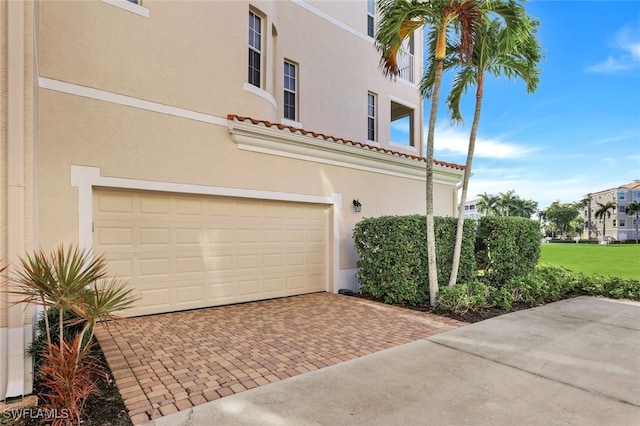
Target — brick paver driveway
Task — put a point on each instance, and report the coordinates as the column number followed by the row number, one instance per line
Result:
column 170, row 362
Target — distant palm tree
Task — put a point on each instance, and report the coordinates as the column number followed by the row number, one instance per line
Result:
column 633, row 208
column 506, row 202
column 487, row 204
column 604, row 212
column 524, row 208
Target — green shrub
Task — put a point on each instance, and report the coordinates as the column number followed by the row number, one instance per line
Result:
column 613, row 287
column 544, row 284
column 501, row 297
column 464, row 297
column 508, row 248
column 393, row 255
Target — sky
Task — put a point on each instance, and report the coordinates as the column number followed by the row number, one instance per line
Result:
column 580, row 131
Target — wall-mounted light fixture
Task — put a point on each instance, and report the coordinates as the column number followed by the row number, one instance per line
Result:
column 357, row 206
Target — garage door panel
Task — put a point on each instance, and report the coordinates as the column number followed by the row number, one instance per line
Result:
column 156, row 298
column 155, row 267
column 190, row 265
column 273, row 285
column 154, row 205
column 272, row 260
column 116, row 203
column 190, row 236
column 154, row 236
column 189, row 207
column 116, row 236
column 190, row 294
column 183, row 251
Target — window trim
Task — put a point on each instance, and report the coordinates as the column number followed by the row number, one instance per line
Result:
column 372, row 117
column 371, row 17
column 413, row 142
column 257, row 50
column 293, row 91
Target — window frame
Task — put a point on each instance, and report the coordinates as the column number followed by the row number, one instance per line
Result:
column 292, row 92
column 254, row 71
column 402, row 111
column 371, row 18
column 372, row 122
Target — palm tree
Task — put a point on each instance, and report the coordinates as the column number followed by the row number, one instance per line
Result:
column 497, row 56
column 487, row 204
column 524, row 208
column 604, row 212
column 398, row 20
column 633, row 208
column 506, row 202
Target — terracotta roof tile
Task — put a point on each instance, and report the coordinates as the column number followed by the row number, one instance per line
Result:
column 349, row 142
column 633, row 185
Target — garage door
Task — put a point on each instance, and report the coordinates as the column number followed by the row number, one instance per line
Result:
column 182, row 251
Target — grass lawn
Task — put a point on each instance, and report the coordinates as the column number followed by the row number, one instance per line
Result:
column 618, row 260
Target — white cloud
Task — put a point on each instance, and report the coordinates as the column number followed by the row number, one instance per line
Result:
column 626, row 52
column 449, row 140
column 610, row 65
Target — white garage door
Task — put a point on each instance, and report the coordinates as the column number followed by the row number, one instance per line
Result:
column 182, row 251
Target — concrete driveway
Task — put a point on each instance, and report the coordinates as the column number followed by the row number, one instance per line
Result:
column 575, row 361
column 167, row 363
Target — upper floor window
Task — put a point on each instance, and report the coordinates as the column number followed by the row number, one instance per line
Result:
column 255, row 49
column 290, row 91
column 371, row 117
column 371, row 17
column 621, row 195
column 402, row 124
column 622, row 222
column 406, row 60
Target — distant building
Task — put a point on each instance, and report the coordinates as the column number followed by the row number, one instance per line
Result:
column 471, row 210
column 619, row 226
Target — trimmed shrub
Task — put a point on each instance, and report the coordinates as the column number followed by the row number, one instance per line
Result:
column 464, row 297
column 507, row 248
column 393, row 255
column 501, row 298
column 613, row 287
column 544, row 284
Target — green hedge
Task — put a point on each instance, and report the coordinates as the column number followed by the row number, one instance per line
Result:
column 393, row 255
column 508, row 247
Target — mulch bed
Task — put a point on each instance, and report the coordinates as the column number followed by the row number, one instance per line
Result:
column 106, row 409
column 469, row 316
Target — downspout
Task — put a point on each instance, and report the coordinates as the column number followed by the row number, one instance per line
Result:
column 14, row 347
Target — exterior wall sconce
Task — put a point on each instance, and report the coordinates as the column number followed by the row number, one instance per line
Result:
column 357, row 206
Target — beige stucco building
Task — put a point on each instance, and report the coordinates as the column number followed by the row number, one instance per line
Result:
column 212, row 150
column 620, row 226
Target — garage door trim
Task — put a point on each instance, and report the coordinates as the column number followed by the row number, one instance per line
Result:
column 85, row 178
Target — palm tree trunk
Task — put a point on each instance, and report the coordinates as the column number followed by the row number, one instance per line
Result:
column 457, row 250
column 431, row 236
